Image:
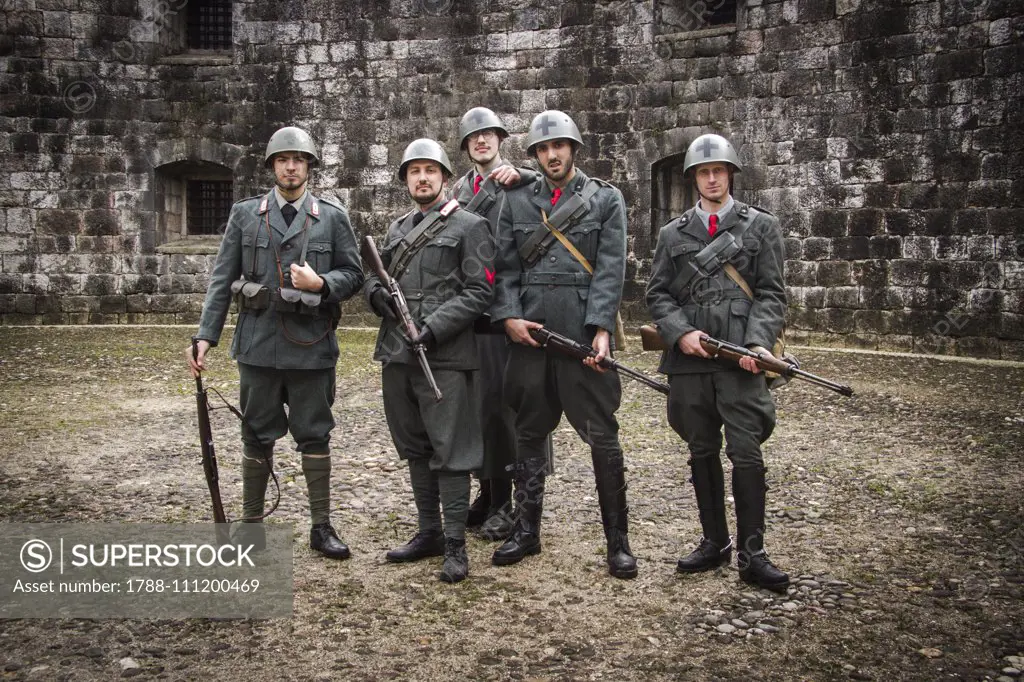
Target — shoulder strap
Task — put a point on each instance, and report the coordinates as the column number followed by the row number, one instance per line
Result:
column 574, row 207
column 484, row 199
column 568, row 244
column 712, row 258
column 419, row 237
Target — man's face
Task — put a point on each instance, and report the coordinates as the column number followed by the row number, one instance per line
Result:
column 555, row 158
column 291, row 170
column 425, row 181
column 713, row 181
column 483, row 146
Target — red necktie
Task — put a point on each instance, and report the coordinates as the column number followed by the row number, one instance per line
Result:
column 476, row 183
column 555, row 195
column 712, row 225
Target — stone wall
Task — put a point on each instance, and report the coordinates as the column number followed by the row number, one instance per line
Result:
column 887, row 135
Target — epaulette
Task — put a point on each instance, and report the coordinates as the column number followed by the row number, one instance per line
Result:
column 683, row 219
column 603, row 183
column 242, row 201
column 331, row 201
column 451, row 207
column 762, row 210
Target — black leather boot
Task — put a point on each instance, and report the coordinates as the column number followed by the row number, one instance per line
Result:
column 525, row 538
column 456, row 562
column 500, row 518
column 323, row 539
column 611, row 494
column 426, row 543
column 749, row 488
column 480, row 506
column 715, row 548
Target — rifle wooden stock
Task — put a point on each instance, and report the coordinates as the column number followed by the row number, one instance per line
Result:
column 580, row 351
column 368, row 250
column 206, row 444
column 768, row 363
column 650, row 339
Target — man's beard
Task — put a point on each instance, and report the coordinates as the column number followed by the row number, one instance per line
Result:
column 560, row 174
column 422, row 200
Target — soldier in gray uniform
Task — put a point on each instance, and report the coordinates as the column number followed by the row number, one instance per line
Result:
column 541, row 283
column 695, row 289
column 443, row 258
column 289, row 259
column 482, row 191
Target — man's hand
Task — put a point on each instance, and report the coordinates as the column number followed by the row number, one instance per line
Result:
column 750, row 364
column 305, row 277
column 519, row 331
column 425, row 337
column 689, row 343
column 380, row 301
column 505, row 175
column 601, row 344
column 197, row 364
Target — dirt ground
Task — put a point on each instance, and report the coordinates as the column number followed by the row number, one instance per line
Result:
column 899, row 511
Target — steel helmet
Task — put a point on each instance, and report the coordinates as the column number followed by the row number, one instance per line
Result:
column 551, row 125
column 425, row 149
column 477, row 119
column 709, row 149
column 291, row 139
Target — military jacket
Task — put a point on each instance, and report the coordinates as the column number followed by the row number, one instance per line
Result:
column 256, row 234
column 714, row 303
column 463, row 192
column 557, row 291
column 448, row 284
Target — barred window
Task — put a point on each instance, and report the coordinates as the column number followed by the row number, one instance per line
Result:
column 209, row 24
column 209, row 203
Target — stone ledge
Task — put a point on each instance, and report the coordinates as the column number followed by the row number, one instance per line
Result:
column 196, row 246
column 200, row 58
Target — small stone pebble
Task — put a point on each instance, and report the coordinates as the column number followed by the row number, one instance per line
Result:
column 725, row 628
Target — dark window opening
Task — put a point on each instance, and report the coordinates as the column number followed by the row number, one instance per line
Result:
column 683, row 16
column 209, row 24
column 209, row 203
column 672, row 194
column 192, row 199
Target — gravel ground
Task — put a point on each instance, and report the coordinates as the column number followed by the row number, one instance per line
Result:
column 898, row 512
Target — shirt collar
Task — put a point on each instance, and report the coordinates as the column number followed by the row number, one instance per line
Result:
column 724, row 211
column 281, row 201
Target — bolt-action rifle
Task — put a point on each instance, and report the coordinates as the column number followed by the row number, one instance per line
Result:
column 206, row 442
column 768, row 363
column 368, row 250
column 581, row 351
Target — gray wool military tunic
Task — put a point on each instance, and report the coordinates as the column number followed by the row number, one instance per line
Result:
column 497, row 421
column 708, row 394
column 279, row 346
column 557, row 291
column 448, row 284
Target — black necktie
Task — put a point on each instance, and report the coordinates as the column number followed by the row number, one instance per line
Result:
column 288, row 211
column 418, row 218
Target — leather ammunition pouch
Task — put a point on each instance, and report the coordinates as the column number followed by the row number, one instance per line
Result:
column 292, row 300
column 250, row 295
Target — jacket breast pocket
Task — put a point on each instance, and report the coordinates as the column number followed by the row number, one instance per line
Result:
column 319, row 255
column 522, row 232
column 440, row 256
column 586, row 237
column 255, row 255
column 681, row 253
